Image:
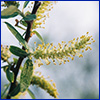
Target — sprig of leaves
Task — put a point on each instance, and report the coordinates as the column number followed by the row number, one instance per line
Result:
column 17, row 35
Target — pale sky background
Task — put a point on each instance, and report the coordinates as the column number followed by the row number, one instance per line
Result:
column 68, row 20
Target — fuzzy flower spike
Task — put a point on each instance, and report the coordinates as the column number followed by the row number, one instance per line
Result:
column 43, row 13
column 5, row 53
column 63, row 52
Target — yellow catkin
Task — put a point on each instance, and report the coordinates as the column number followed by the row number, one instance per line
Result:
column 5, row 53
column 63, row 51
column 46, row 85
column 43, row 13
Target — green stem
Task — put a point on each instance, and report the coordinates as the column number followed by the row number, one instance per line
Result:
column 5, row 90
column 21, row 13
column 8, row 62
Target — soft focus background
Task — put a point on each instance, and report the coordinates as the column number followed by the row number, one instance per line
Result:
column 78, row 79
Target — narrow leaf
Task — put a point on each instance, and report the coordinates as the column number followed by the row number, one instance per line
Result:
column 5, row 90
column 6, row 85
column 26, row 75
column 30, row 17
column 39, row 36
column 10, row 75
column 9, row 12
column 18, row 52
column 5, row 67
column 15, row 91
column 24, row 33
column 31, row 94
column 17, row 35
column 15, row 60
column 25, row 4
column 23, row 23
column 21, row 27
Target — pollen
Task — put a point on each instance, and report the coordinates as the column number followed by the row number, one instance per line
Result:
column 54, row 84
column 5, row 53
column 82, row 51
column 43, row 13
column 93, row 40
column 90, row 48
column 68, row 60
column 46, row 85
column 34, row 42
column 80, row 55
column 72, row 58
column 51, row 80
column 87, row 33
column 63, row 51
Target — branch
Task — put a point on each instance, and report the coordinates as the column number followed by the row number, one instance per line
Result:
column 27, row 37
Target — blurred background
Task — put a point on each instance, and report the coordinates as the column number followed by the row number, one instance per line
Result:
column 78, row 79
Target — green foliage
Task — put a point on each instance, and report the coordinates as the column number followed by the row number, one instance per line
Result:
column 9, row 12
column 25, row 4
column 18, row 52
column 15, row 91
column 17, row 35
column 3, row 94
column 8, row 3
column 15, row 60
column 10, row 75
column 39, row 36
column 23, row 23
column 21, row 27
column 26, row 75
column 29, row 17
column 4, row 67
column 31, row 94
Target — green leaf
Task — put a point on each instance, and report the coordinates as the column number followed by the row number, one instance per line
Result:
column 7, row 3
column 26, row 75
column 29, row 17
column 17, row 35
column 5, row 67
column 23, row 23
column 39, row 36
column 7, row 85
column 31, row 94
column 15, row 91
column 21, row 27
column 10, row 75
column 24, row 33
column 9, row 12
column 25, row 4
column 15, row 60
column 18, row 52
